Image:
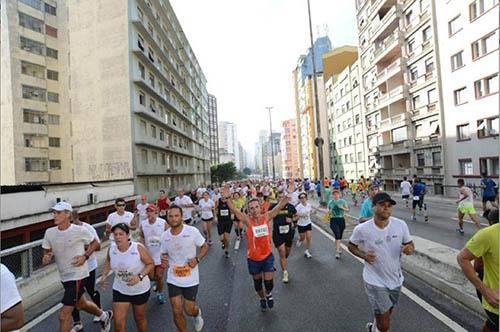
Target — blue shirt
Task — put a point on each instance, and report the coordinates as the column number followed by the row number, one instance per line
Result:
column 366, row 209
column 307, row 186
column 418, row 189
column 336, row 184
column 489, row 191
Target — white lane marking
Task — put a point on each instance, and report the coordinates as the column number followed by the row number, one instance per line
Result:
column 428, row 307
column 471, row 222
column 49, row 312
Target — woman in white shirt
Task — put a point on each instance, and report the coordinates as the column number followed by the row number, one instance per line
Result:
column 304, row 223
column 131, row 263
column 207, row 207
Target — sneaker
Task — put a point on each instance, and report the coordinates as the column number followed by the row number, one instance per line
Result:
column 413, row 218
column 307, row 254
column 426, row 219
column 223, row 246
column 263, row 305
column 285, row 277
column 106, row 324
column 270, row 301
column 77, row 327
column 209, row 242
column 369, row 327
column 237, row 244
column 461, row 231
column 337, row 255
column 96, row 319
column 198, row 321
column 226, row 254
column 299, row 243
column 160, row 297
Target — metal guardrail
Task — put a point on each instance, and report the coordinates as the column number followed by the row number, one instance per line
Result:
column 26, row 258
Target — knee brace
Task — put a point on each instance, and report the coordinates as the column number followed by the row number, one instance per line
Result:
column 257, row 284
column 269, row 285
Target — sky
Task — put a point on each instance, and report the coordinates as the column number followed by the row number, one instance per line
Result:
column 249, row 48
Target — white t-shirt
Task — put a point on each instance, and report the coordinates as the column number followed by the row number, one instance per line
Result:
column 180, row 248
column 66, row 245
column 92, row 261
column 141, row 208
column 304, row 213
column 114, row 218
column 200, row 191
column 206, row 208
column 9, row 295
column 152, row 237
column 405, row 188
column 469, row 201
column 294, row 198
column 187, row 212
column 386, row 243
column 127, row 264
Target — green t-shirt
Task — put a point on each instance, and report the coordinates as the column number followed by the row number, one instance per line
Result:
column 333, row 206
column 328, row 194
column 485, row 244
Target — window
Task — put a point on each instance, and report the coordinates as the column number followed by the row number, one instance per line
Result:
column 143, row 127
column 411, row 46
column 463, row 132
column 32, row 116
column 142, row 71
column 163, row 159
column 360, row 156
column 153, row 131
column 142, row 98
column 35, row 165
column 162, row 135
column 465, row 166
column 399, row 134
column 54, row 142
column 33, row 93
column 31, row 46
column 154, row 157
column 53, row 119
column 427, row 34
column 357, row 119
column 152, row 80
column 53, row 97
column 37, row 4
column 419, row 130
column 434, row 127
column 152, row 105
column 479, row 7
column 415, row 102
column 454, row 26
column 52, row 75
column 50, row 31
column 457, row 60
column 54, row 164
column 151, row 54
column 459, row 96
column 144, row 156
column 431, row 96
column 51, row 53
column 31, row 69
column 420, row 159
column 436, row 158
column 50, row 9
column 489, row 166
column 408, row 18
column 484, row 45
column 487, row 127
column 429, row 65
column 30, row 22
column 140, row 14
column 486, row 86
column 413, row 74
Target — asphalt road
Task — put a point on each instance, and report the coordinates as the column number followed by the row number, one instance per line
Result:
column 324, row 294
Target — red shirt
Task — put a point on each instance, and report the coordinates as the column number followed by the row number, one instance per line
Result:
column 259, row 238
column 162, row 204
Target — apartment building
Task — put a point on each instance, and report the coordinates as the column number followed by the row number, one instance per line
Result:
column 213, row 130
column 289, row 151
column 93, row 96
column 401, row 90
column 468, row 48
column 228, row 143
column 346, row 129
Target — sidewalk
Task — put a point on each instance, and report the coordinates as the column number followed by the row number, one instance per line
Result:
column 438, row 199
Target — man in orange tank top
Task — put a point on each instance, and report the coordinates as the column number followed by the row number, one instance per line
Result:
column 260, row 257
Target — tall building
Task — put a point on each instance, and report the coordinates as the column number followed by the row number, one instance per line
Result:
column 243, row 157
column 87, row 96
column 346, row 130
column 228, row 143
column 305, row 109
column 468, row 48
column 273, row 146
column 289, row 150
column 213, row 130
column 401, row 90
column 261, row 153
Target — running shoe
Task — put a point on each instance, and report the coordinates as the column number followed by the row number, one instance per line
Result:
column 337, row 255
column 237, row 244
column 307, row 254
column 209, row 242
column 413, row 218
column 263, row 305
column 77, row 327
column 160, row 297
column 226, row 254
column 106, row 324
column 223, row 246
column 285, row 277
column 96, row 319
column 461, row 231
column 369, row 327
column 270, row 301
column 198, row 321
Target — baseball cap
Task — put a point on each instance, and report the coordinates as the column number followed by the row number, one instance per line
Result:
column 383, row 197
column 151, row 207
column 144, row 197
column 62, row 206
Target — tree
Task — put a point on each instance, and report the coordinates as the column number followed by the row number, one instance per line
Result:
column 223, row 172
column 247, row 171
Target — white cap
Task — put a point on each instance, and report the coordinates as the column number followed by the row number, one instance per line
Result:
column 62, row 206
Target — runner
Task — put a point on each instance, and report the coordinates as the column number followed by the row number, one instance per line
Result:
column 260, row 257
column 131, row 263
column 207, row 207
column 304, row 223
column 11, row 306
column 178, row 248
column 366, row 212
column 66, row 243
column 120, row 216
column 240, row 203
column 90, row 281
column 163, row 203
column 383, row 239
column 284, row 232
column 418, row 199
column 224, row 224
column 141, row 209
column 465, row 206
column 151, row 230
column 405, row 190
column 353, row 186
column 337, row 207
column 488, row 187
column 186, row 204
column 484, row 244
column 264, row 204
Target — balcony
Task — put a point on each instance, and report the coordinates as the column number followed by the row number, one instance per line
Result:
column 428, row 141
column 394, row 68
column 425, row 111
column 385, row 99
column 394, row 121
column 379, row 27
column 395, row 171
column 395, row 148
column 383, row 48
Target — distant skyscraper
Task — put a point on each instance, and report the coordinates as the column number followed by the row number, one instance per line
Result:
column 213, row 129
column 289, row 150
column 228, row 143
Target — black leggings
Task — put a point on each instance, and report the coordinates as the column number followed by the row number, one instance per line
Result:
column 94, row 295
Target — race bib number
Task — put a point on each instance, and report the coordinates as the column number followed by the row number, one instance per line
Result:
column 284, row 229
column 416, row 198
column 260, row 231
column 124, row 275
column 224, row 213
column 154, row 241
column 182, row 271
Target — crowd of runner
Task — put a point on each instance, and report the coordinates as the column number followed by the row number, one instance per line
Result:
column 158, row 247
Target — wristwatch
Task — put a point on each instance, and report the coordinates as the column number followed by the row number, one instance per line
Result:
column 141, row 276
column 197, row 260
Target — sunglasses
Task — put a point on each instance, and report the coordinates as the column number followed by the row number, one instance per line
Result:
column 120, row 205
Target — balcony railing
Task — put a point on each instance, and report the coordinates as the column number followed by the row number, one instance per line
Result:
column 394, row 120
column 386, row 43
column 390, row 70
column 378, row 26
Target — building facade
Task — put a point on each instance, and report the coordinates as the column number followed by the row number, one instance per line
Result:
column 135, row 109
column 213, row 129
column 401, row 90
column 468, row 47
column 228, row 143
column 289, row 150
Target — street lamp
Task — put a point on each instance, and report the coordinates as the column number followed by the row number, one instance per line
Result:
column 269, row 108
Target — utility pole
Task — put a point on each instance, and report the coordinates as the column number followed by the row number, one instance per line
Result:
column 269, row 108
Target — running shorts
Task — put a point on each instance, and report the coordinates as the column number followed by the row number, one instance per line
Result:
column 337, row 225
column 382, row 299
column 139, row 299
column 224, row 226
column 303, row 229
column 265, row 265
column 73, row 291
column 188, row 293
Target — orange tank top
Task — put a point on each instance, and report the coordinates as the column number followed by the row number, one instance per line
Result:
column 259, row 238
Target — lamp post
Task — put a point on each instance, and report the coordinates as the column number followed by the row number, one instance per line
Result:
column 269, row 108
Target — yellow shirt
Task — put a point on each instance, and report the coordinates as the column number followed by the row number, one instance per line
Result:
column 353, row 186
column 240, row 202
column 485, row 244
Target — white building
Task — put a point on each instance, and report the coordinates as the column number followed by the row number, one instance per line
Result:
column 468, row 46
column 228, row 143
